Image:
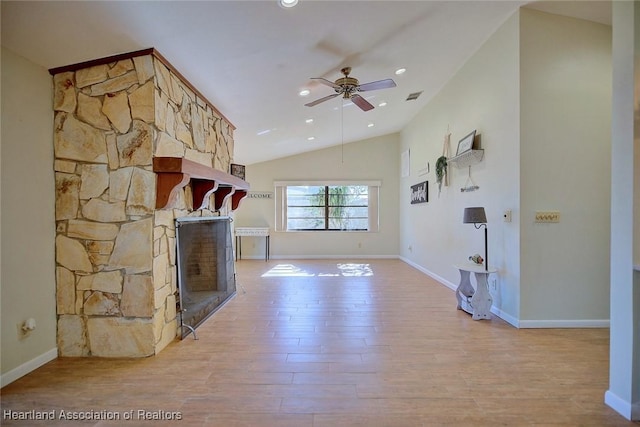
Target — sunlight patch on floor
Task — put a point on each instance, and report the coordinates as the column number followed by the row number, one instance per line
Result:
column 361, row 270
column 287, row 270
column 346, row 270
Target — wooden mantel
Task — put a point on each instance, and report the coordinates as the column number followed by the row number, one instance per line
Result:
column 173, row 173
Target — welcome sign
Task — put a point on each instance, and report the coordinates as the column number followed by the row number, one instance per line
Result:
column 420, row 193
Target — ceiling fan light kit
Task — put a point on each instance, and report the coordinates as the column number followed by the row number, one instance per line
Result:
column 348, row 87
column 287, row 3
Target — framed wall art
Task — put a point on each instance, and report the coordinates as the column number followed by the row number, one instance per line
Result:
column 466, row 143
column 420, row 193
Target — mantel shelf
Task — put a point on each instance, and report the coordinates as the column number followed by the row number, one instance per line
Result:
column 174, row 173
column 468, row 158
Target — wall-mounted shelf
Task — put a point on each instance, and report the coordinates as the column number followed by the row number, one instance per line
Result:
column 468, row 158
column 173, row 173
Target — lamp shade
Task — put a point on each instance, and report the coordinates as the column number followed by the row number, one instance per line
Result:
column 474, row 215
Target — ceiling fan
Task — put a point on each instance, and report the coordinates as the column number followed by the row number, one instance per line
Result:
column 348, row 88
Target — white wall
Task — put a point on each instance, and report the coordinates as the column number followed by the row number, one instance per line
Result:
column 565, row 116
column 483, row 95
column 624, row 366
column 371, row 159
column 28, row 226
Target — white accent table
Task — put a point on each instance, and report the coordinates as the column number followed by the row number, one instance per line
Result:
column 475, row 301
column 252, row 232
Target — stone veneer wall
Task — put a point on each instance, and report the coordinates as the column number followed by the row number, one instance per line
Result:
column 115, row 253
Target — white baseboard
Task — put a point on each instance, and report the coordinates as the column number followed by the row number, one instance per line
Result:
column 277, row 257
column 25, row 368
column 581, row 323
column 524, row 324
column 630, row 411
column 506, row 317
column 434, row 276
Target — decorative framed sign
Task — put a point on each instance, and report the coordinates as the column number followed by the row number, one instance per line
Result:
column 466, row 143
column 237, row 170
column 420, row 193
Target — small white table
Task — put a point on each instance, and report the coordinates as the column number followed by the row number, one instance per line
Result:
column 252, row 232
column 476, row 302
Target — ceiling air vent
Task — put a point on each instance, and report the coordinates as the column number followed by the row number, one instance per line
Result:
column 413, row 96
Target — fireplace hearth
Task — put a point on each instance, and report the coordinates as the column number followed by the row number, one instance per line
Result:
column 206, row 270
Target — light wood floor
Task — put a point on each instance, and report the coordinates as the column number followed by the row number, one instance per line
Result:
column 324, row 343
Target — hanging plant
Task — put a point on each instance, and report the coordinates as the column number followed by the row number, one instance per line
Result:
column 441, row 171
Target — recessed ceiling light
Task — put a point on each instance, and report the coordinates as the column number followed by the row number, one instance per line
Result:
column 287, row 3
column 370, row 125
column 304, row 92
column 309, row 121
column 311, row 138
column 400, row 71
column 382, row 104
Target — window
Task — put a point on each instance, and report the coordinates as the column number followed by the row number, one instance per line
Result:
column 326, row 206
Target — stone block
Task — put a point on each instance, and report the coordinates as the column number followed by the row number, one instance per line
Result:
column 89, row 76
column 112, row 151
column 103, row 211
column 119, row 181
column 104, row 281
column 136, row 147
column 64, row 166
column 72, row 339
column 89, row 230
column 163, row 79
column 65, row 291
column 116, row 108
column 197, row 126
column 120, row 68
column 119, row 337
column 95, row 180
column 67, row 196
column 169, row 147
column 137, row 296
column 142, row 102
column 102, row 304
column 74, row 140
column 142, row 195
column 90, row 111
column 164, row 217
column 160, row 265
column 134, row 247
column 71, row 254
column 115, row 84
column 144, row 68
column 64, row 92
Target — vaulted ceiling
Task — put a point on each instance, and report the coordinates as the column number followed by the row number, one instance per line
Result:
column 252, row 58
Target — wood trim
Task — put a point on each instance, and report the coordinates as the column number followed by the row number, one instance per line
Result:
column 101, row 61
column 173, row 173
column 142, row 52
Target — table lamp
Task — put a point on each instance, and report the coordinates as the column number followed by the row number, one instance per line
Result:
column 478, row 218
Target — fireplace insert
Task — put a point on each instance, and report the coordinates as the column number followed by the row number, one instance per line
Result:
column 206, row 269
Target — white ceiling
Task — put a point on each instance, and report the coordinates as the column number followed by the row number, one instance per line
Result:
column 251, row 58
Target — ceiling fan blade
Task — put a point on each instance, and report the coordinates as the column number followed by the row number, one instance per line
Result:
column 380, row 84
column 361, row 102
column 318, row 101
column 326, row 82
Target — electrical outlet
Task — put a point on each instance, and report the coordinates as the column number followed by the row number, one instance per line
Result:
column 547, row 216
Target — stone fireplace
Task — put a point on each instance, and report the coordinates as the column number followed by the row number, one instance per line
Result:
column 136, row 146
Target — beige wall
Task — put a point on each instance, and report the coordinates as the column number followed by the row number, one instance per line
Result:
column 483, row 95
column 539, row 94
column 372, row 159
column 28, row 226
column 565, row 146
